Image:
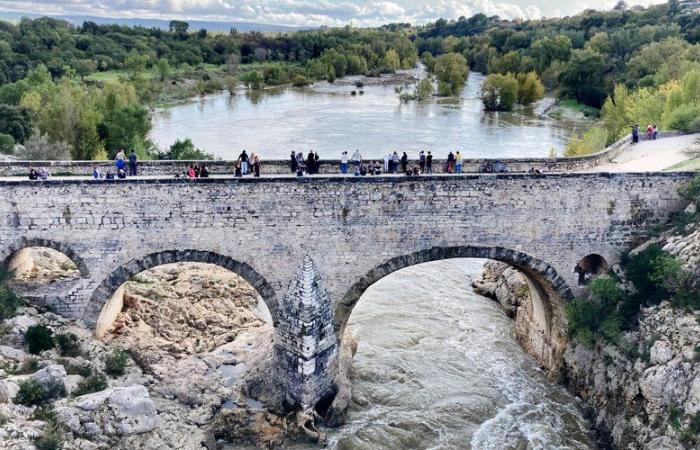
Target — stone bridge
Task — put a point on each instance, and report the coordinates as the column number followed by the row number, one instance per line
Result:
column 312, row 246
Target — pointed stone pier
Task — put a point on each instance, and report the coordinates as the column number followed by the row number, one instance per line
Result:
column 306, row 346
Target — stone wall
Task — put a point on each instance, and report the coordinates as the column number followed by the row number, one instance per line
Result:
column 172, row 168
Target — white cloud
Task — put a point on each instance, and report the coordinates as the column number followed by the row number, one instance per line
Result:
column 308, row 12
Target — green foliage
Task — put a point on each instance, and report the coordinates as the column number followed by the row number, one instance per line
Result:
column 28, row 366
column 123, row 124
column 115, row 363
column 9, row 301
column 84, row 370
column 38, row 339
column 31, row 393
column 68, row 344
column 7, row 144
column 530, row 88
column 184, row 150
column 253, row 80
column 300, row 81
column 684, row 118
column 596, row 317
column 592, row 141
column 451, row 71
column 50, row 439
column 499, row 92
column 40, row 148
column 93, row 383
column 16, row 121
column 583, row 78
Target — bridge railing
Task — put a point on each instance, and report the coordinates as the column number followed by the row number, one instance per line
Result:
column 171, row 168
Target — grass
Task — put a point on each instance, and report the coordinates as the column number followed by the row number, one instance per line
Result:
column 576, row 107
column 689, row 165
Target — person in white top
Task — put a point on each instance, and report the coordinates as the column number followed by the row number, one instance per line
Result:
column 344, row 163
column 387, row 157
column 357, row 158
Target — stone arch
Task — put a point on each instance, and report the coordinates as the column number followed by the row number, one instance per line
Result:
column 549, row 290
column 122, row 274
column 47, row 243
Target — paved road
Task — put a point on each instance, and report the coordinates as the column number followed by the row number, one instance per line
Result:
column 653, row 156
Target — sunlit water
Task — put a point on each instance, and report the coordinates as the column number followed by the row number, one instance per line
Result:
column 327, row 118
column 438, row 367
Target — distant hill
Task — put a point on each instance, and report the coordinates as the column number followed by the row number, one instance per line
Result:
column 154, row 23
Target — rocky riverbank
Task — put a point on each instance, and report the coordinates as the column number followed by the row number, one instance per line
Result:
column 644, row 391
column 197, row 348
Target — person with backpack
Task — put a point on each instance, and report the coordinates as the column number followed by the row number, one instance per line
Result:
column 243, row 158
column 133, row 160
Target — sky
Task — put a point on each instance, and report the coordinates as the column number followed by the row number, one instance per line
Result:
column 312, row 12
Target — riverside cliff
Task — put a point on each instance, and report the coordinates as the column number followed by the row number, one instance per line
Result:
column 643, row 391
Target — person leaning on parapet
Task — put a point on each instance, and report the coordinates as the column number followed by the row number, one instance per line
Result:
column 133, row 161
column 421, row 161
column 635, row 134
column 243, row 158
column 344, row 163
column 357, row 158
column 458, row 162
column 429, row 162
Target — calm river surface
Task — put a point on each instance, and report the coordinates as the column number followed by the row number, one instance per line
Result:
column 327, row 118
column 438, row 367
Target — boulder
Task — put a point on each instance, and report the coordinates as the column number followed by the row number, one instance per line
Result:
column 661, row 352
column 12, row 353
column 50, row 376
column 8, row 391
column 120, row 410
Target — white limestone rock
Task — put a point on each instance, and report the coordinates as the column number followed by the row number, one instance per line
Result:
column 50, row 376
column 661, row 352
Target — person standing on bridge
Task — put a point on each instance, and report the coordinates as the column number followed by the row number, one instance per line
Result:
column 458, row 162
column 344, row 163
column 133, row 160
column 449, row 167
column 300, row 161
column 357, row 159
column 395, row 162
column 310, row 163
column 421, row 161
column 404, row 162
column 293, row 162
column 429, row 162
column 256, row 166
column 243, row 158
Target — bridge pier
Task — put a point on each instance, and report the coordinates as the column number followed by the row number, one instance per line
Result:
column 306, row 347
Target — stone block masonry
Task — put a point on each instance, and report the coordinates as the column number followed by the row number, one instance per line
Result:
column 356, row 230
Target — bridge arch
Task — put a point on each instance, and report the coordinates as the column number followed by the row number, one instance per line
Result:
column 549, row 291
column 97, row 313
column 25, row 243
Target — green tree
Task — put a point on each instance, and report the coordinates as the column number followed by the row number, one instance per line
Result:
column 451, row 71
column 530, row 88
column 184, row 150
column 123, row 124
column 583, row 78
column 425, row 89
column 16, row 121
column 253, row 80
column 592, row 141
column 7, row 144
column 163, row 67
column 499, row 92
column 84, row 67
column 392, row 60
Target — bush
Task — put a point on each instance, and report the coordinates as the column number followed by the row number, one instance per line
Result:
column 9, row 301
column 684, row 118
column 499, row 92
column 530, row 88
column 7, row 144
column 184, row 150
column 115, row 363
column 31, row 393
column 596, row 317
column 68, row 344
column 38, row 148
column 51, row 439
column 29, row 365
column 39, row 338
column 592, row 141
column 94, row 383
column 84, row 370
column 300, row 81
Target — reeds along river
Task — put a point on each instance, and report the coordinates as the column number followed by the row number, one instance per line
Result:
column 327, row 118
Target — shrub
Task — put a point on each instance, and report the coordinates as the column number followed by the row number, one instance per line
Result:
column 51, row 439
column 592, row 141
column 530, row 88
column 596, row 317
column 31, row 393
column 115, row 363
column 300, row 80
column 84, row 370
column 9, row 301
column 39, row 338
column 7, row 144
column 684, row 118
column 68, row 344
column 94, row 383
column 29, row 365
column 499, row 92
column 39, row 148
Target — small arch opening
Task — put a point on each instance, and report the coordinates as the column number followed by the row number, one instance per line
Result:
column 41, row 265
column 590, row 267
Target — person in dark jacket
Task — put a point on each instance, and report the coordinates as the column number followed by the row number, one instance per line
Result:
column 404, row 162
column 311, row 164
column 293, row 162
column 429, row 163
column 421, row 161
column 133, row 161
column 243, row 158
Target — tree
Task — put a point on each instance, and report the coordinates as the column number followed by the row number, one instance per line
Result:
column 392, row 60
column 84, row 67
column 16, row 121
column 135, row 64
column 530, row 88
column 233, row 61
column 499, row 92
column 179, row 28
column 425, row 89
column 163, row 67
column 261, row 55
column 451, row 71
column 39, row 148
column 184, row 150
column 583, row 78
column 125, row 123
column 7, row 144
column 592, row 141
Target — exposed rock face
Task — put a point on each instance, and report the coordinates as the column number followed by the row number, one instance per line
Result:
column 199, row 370
column 633, row 392
column 510, row 288
column 42, row 265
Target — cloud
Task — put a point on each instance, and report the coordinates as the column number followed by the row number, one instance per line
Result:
column 305, row 12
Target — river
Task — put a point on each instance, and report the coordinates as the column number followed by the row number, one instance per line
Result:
column 438, row 367
column 327, row 118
